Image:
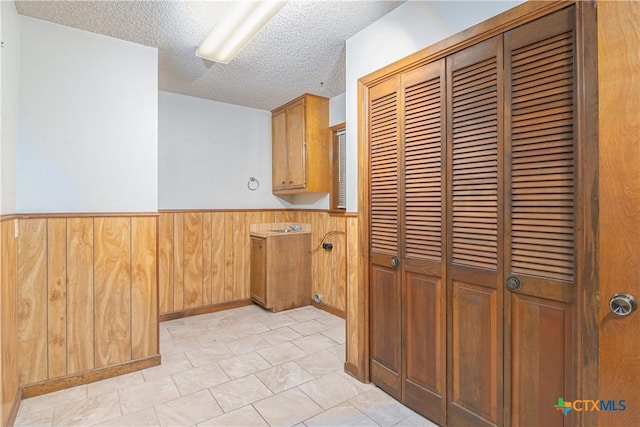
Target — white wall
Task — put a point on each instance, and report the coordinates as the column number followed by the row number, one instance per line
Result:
column 87, row 122
column 207, row 152
column 405, row 30
column 9, row 66
column 337, row 109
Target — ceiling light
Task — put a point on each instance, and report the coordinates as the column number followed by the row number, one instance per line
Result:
column 236, row 28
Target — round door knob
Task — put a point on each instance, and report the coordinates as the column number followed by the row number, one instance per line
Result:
column 513, row 283
column 623, row 304
column 395, row 262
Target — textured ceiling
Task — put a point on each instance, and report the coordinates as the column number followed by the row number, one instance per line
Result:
column 301, row 50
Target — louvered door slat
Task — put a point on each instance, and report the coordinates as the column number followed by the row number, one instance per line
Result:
column 475, row 165
column 542, row 145
column 384, row 174
column 422, row 170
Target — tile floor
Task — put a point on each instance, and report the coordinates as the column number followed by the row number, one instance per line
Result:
column 240, row 367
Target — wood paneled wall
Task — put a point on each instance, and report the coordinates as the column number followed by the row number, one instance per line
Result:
column 204, row 257
column 87, row 295
column 10, row 388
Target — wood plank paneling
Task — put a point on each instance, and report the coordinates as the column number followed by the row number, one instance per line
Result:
column 57, row 295
column 80, row 325
column 165, row 262
column 192, row 259
column 144, row 307
column 218, row 257
column 32, row 300
column 230, row 292
column 214, row 258
column 88, row 298
column 207, row 246
column 8, row 323
column 178, row 261
column 112, row 302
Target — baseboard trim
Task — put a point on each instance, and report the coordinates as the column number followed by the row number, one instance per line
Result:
column 15, row 407
column 86, row 377
column 204, row 310
column 329, row 309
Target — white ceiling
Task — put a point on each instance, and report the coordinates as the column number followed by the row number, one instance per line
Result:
column 301, row 50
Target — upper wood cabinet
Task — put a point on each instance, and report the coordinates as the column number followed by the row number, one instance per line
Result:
column 301, row 146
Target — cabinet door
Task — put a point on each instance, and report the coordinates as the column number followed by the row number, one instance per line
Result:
column 258, row 270
column 296, row 150
column 279, row 149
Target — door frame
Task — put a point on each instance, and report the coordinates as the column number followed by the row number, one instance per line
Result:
column 587, row 182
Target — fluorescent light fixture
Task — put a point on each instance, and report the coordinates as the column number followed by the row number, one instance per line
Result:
column 236, row 28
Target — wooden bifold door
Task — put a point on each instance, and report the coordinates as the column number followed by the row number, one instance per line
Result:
column 474, row 161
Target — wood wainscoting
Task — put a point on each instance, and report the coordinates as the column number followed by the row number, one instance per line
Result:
column 10, row 392
column 204, row 258
column 87, row 305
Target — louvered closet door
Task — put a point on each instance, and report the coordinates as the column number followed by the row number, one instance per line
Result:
column 384, row 277
column 423, row 135
column 474, row 85
column 540, row 217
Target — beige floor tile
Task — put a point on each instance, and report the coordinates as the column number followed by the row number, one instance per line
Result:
column 287, row 408
column 244, row 328
column 415, row 420
column 282, row 353
column 243, row 417
column 147, row 394
column 172, row 364
column 171, row 346
column 207, row 355
column 188, row 410
column 284, row 377
column 276, row 321
column 280, row 335
column 188, row 330
column 246, row 364
column 115, row 383
column 330, row 390
column 212, row 338
column 336, row 334
column 381, row 407
column 238, row 393
column 309, row 327
column 314, row 343
column 248, row 344
column 322, row 363
column 341, row 415
column 87, row 412
column 143, row 418
column 199, row 378
column 35, row 404
column 41, row 418
column 303, row 314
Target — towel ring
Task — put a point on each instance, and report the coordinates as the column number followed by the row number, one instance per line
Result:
column 253, row 183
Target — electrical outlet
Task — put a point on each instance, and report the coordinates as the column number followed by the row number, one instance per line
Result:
column 327, row 246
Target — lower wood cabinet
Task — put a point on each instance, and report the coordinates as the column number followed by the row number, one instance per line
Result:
column 281, row 270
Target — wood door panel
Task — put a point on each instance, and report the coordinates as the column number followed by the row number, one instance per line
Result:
column 475, row 361
column 385, row 339
column 279, row 150
column 295, row 150
column 541, row 360
column 424, row 347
